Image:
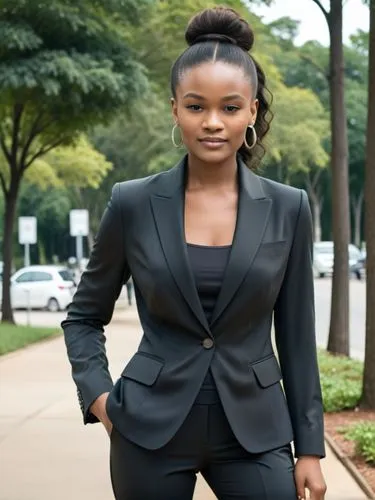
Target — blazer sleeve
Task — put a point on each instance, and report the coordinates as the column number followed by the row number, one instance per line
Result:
column 92, row 308
column 294, row 320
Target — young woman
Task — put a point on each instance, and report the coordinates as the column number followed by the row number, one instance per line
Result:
column 215, row 252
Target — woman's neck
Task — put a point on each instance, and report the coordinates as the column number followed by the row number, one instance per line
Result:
column 207, row 176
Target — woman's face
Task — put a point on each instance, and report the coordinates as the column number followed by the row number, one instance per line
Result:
column 213, row 107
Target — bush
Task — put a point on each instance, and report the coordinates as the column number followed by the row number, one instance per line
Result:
column 341, row 380
column 363, row 434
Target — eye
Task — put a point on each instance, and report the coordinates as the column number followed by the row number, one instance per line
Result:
column 194, row 107
column 231, row 108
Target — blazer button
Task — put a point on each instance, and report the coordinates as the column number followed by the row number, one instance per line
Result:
column 208, row 343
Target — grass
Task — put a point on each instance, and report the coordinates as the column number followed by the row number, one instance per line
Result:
column 13, row 337
column 348, row 368
column 341, row 380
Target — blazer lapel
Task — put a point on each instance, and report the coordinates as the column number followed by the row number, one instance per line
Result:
column 168, row 209
column 252, row 217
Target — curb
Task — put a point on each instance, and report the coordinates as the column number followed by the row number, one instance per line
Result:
column 350, row 467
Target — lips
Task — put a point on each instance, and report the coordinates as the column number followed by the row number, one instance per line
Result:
column 213, row 139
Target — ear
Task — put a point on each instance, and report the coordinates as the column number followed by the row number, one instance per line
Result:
column 174, row 109
column 254, row 105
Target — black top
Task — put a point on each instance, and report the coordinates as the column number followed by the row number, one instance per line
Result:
column 208, row 264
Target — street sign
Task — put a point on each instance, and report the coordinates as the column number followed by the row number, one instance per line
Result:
column 79, row 222
column 27, row 232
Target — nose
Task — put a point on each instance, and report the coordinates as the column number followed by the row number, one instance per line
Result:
column 212, row 121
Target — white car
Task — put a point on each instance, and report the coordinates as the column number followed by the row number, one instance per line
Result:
column 324, row 257
column 42, row 287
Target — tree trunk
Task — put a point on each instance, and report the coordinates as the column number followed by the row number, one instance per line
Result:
column 338, row 340
column 316, row 205
column 357, row 209
column 10, row 201
column 368, row 391
column 314, row 193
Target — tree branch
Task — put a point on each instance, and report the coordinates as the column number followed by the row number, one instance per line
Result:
column 34, row 131
column 316, row 66
column 44, row 150
column 3, row 185
column 308, row 182
column 326, row 13
column 5, row 149
column 17, row 114
column 316, row 177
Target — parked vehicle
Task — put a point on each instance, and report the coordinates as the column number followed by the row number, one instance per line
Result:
column 324, row 257
column 42, row 287
column 363, row 258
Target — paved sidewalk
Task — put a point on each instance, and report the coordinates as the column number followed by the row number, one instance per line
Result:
column 45, row 451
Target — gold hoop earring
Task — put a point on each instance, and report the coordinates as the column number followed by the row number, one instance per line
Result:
column 173, row 138
column 255, row 137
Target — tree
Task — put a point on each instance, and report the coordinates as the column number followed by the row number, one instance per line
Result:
column 338, row 340
column 51, row 207
column 52, row 188
column 73, row 167
column 307, row 66
column 368, row 394
column 286, row 30
column 356, row 71
column 298, row 115
column 64, row 66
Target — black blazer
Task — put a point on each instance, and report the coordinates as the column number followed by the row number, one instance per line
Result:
column 269, row 273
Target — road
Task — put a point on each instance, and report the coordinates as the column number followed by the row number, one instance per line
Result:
column 323, row 306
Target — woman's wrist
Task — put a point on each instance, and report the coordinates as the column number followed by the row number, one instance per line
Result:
column 98, row 407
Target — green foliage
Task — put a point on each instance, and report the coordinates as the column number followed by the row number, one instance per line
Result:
column 14, row 337
column 79, row 165
column 360, row 42
column 299, row 115
column 341, row 380
column 133, row 143
column 63, row 67
column 363, row 433
column 51, row 208
column 286, row 29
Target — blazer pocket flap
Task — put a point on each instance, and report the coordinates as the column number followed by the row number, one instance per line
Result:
column 143, row 369
column 267, row 371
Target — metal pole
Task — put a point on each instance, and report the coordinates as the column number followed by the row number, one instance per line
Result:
column 27, row 254
column 79, row 250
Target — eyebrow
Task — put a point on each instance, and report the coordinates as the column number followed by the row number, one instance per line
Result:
column 201, row 98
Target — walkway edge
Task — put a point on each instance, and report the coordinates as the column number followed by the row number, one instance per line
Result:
column 350, row 467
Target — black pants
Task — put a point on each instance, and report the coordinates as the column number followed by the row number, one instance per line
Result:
column 204, row 443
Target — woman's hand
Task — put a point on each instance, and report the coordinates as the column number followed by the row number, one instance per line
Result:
column 308, row 474
column 98, row 409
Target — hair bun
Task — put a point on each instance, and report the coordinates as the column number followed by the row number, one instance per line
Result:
column 220, row 24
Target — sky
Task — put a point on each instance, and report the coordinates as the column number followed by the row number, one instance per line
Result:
column 313, row 25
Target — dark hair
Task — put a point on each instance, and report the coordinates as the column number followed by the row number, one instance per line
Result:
column 220, row 34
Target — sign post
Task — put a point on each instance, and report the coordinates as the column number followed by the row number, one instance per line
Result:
column 27, row 235
column 79, row 227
